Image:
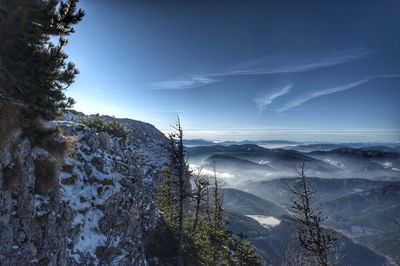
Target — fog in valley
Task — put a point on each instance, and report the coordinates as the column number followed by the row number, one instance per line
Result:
column 358, row 188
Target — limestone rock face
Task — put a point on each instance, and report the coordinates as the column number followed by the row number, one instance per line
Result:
column 83, row 200
column 34, row 225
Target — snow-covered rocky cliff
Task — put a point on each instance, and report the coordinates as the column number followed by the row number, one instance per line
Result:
column 81, row 197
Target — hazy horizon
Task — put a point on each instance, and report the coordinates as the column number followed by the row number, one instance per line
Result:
column 265, row 70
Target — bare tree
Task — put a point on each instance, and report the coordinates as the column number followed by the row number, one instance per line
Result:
column 199, row 194
column 217, row 199
column 318, row 242
column 293, row 257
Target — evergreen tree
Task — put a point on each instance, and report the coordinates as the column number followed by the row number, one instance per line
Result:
column 201, row 228
column 34, row 70
column 244, row 252
column 214, row 241
column 180, row 173
column 166, row 200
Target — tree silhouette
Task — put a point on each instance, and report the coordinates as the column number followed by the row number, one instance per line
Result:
column 317, row 241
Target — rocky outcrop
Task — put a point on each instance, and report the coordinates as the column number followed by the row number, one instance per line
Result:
column 81, row 197
column 35, row 223
column 150, row 144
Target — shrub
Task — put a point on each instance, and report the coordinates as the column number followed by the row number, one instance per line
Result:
column 113, row 127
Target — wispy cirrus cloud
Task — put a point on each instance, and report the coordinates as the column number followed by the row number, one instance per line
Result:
column 192, row 81
column 315, row 94
column 267, row 66
column 266, row 99
column 296, row 64
column 385, row 76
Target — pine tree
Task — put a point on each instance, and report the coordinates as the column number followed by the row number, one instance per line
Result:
column 244, row 252
column 34, row 70
column 215, row 237
column 214, row 241
column 317, row 241
column 166, row 200
column 180, row 171
column 201, row 228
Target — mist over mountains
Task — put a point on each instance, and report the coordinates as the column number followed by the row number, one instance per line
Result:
column 251, row 161
column 358, row 191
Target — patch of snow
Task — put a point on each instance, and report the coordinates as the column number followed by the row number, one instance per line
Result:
column 83, row 197
column 264, row 162
column 38, row 204
column 356, row 190
column 49, row 124
column 70, row 116
column 334, row 162
column 266, row 221
column 387, row 164
column 89, row 238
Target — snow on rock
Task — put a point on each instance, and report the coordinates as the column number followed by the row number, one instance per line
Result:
column 266, row 221
column 34, row 222
column 89, row 205
column 95, row 175
column 151, row 146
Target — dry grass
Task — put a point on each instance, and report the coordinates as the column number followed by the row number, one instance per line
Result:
column 48, row 139
column 69, row 145
column 57, row 145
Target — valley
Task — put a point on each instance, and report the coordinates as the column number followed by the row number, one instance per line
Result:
column 358, row 187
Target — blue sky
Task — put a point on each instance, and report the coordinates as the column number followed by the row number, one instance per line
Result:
column 233, row 70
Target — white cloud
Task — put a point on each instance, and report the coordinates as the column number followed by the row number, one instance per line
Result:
column 196, row 169
column 315, row 94
column 267, row 66
column 267, row 99
column 184, row 83
column 286, row 64
column 385, row 76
